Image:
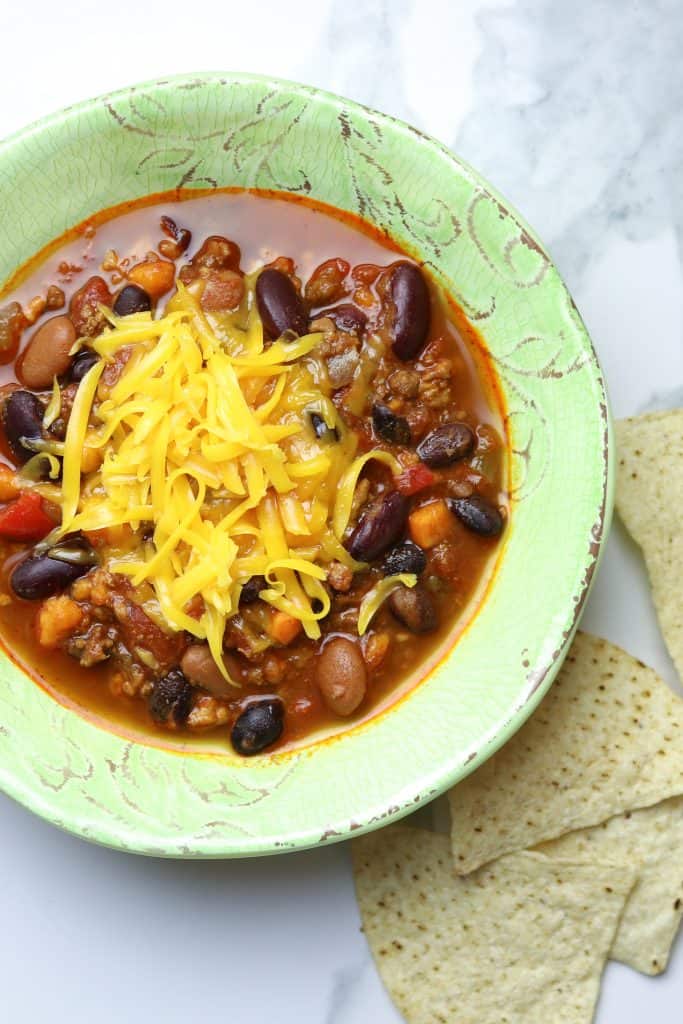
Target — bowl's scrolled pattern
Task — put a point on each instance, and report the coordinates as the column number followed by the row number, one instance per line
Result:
column 246, row 131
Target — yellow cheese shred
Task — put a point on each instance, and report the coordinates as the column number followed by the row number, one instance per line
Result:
column 205, row 437
column 376, row 597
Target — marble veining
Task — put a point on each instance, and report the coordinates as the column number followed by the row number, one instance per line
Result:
column 574, row 112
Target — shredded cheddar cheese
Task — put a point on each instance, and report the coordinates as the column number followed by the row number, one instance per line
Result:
column 206, row 437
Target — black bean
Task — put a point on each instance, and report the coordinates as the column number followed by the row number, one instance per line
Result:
column 346, row 317
column 478, row 514
column 414, row 608
column 321, row 429
column 388, row 426
column 379, row 528
column 406, row 557
column 40, row 576
column 259, row 725
column 82, row 362
column 447, row 444
column 132, row 299
column 171, row 697
column 23, row 419
column 252, row 588
column 279, row 304
column 412, row 310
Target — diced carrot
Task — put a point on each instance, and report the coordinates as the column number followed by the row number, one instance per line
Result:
column 8, row 488
column 430, row 524
column 57, row 618
column 284, row 628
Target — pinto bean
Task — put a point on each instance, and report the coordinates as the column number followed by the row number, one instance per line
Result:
column 47, row 354
column 379, row 528
column 341, row 675
column 279, row 304
column 200, row 669
column 414, row 608
column 411, row 317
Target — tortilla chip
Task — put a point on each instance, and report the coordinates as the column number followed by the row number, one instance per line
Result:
column 607, row 738
column 524, row 939
column 649, row 493
column 650, row 839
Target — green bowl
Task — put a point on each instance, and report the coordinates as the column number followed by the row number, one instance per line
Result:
column 244, row 130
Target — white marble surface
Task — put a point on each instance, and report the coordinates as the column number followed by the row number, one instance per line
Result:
column 574, row 111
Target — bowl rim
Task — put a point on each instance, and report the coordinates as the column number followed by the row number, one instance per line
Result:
column 51, row 807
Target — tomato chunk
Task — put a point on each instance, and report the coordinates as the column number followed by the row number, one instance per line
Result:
column 25, row 518
column 415, row 479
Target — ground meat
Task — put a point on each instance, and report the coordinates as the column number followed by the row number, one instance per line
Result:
column 85, row 304
column 216, row 253
column 435, row 384
column 419, row 420
column 95, row 645
column 207, row 712
column 336, row 343
column 339, row 577
column 404, row 383
column 110, row 598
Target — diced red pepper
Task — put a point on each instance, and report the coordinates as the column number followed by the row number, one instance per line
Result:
column 25, row 518
column 415, row 479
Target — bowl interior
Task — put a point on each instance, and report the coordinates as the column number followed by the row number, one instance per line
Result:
column 246, row 131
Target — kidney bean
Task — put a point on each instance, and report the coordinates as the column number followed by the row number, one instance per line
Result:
column 82, row 362
column 478, row 514
column 346, row 317
column 379, row 528
column 406, row 557
column 171, row 697
column 41, row 576
column 23, row 419
column 84, row 307
column 410, row 322
column 200, row 669
column 259, row 725
column 341, row 675
column 326, row 283
column 47, row 353
column 132, row 299
column 279, row 305
column 414, row 608
column 446, row 444
column 389, row 426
